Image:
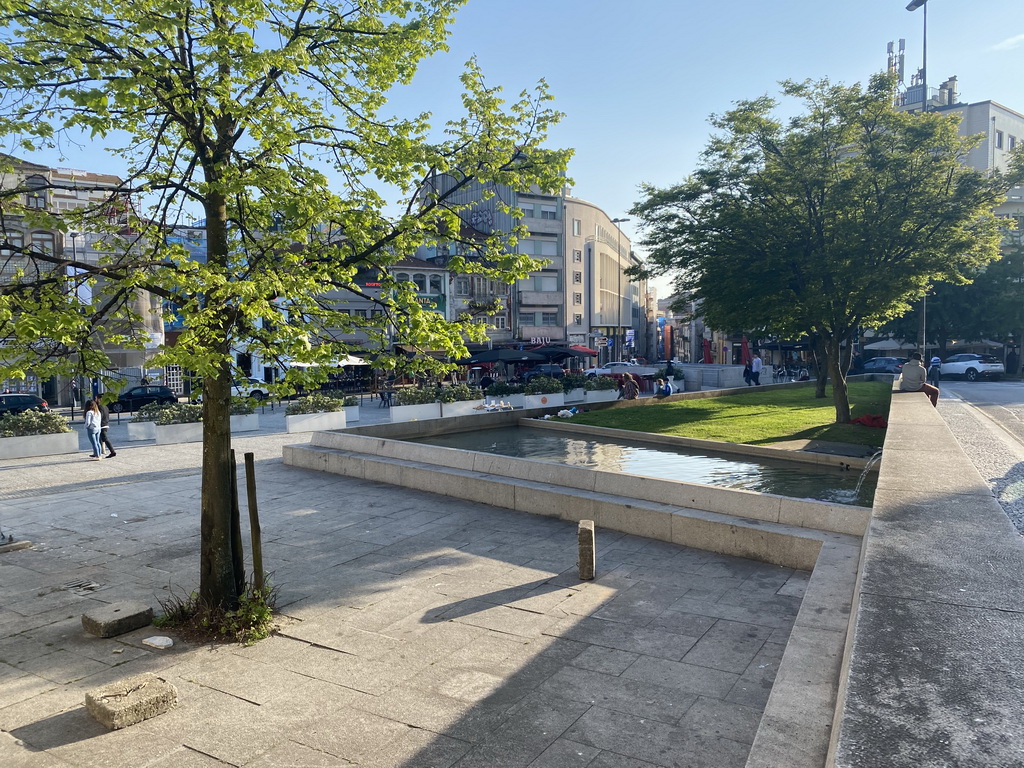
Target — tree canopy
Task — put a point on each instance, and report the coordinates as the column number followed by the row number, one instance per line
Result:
column 841, row 216
column 267, row 121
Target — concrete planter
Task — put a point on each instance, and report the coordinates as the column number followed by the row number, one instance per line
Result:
column 462, row 408
column 415, row 412
column 38, row 445
column 602, row 395
column 577, row 395
column 141, row 430
column 248, row 422
column 516, row 401
column 544, row 401
column 351, row 413
column 315, row 422
column 191, row 432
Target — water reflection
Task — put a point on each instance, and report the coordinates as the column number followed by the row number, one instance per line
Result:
column 763, row 475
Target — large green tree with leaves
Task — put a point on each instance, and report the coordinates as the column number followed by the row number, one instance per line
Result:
column 838, row 217
column 267, row 120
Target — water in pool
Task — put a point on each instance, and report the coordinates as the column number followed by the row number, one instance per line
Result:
column 783, row 478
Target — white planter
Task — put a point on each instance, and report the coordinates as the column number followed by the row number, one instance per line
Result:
column 38, row 445
column 544, row 401
column 602, row 395
column 351, row 413
column 576, row 395
column 415, row 412
column 462, row 408
column 248, row 422
column 141, row 430
column 315, row 422
column 179, row 433
column 516, row 401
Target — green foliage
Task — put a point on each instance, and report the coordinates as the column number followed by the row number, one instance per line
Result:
column 242, row 406
column 250, row 622
column 346, row 400
column 458, row 393
column 150, row 412
column 573, row 381
column 29, row 423
column 602, row 382
column 316, row 402
column 503, row 388
column 179, row 413
column 543, row 385
column 416, row 395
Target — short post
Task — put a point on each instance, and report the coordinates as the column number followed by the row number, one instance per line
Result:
column 254, row 522
column 588, row 552
column 237, row 558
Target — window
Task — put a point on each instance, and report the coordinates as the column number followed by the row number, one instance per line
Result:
column 1011, row 143
column 541, row 281
column 479, row 286
column 376, row 313
column 549, row 318
column 12, row 241
column 526, row 208
column 42, row 242
column 462, row 286
column 577, row 227
column 577, row 277
column 435, row 284
column 999, row 139
column 498, row 321
column 537, row 247
column 577, row 298
column 359, row 313
column 577, row 319
column 421, row 283
column 35, row 197
column 402, row 277
column 577, row 256
column 549, row 212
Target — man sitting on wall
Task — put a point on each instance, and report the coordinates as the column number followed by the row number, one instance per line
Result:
column 914, row 378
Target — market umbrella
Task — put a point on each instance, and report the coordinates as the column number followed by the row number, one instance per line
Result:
column 585, row 350
column 503, row 356
column 707, row 351
column 888, row 345
column 558, row 353
column 746, row 351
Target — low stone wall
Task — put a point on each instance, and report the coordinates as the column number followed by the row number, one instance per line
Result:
column 933, row 674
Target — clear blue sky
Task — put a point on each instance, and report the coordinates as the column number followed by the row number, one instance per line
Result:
column 638, row 80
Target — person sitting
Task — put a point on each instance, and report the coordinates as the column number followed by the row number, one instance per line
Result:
column 914, row 378
column 662, row 388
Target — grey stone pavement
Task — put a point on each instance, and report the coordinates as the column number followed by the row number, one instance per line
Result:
column 415, row 630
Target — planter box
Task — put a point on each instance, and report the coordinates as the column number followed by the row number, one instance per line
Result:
column 602, row 395
column 462, row 408
column 141, row 430
column 415, row 412
column 351, row 413
column 576, row 395
column 248, row 422
column 544, row 401
column 179, row 433
column 315, row 422
column 38, row 445
column 516, row 401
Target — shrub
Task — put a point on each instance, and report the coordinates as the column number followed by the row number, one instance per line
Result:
column 317, row 402
column 346, row 400
column 602, row 382
column 501, row 388
column 416, row 396
column 242, row 406
column 179, row 413
column 30, row 423
column 458, row 393
column 150, row 412
column 573, row 381
column 543, row 385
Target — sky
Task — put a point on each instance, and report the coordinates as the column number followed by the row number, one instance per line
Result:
column 637, row 81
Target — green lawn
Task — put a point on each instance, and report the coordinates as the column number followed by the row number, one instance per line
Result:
column 759, row 417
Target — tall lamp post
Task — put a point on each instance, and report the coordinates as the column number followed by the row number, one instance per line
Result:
column 619, row 335
column 913, row 6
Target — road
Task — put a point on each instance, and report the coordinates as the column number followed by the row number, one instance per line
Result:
column 1000, row 401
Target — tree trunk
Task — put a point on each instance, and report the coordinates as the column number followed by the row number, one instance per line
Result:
column 840, row 391
column 217, row 580
column 821, row 362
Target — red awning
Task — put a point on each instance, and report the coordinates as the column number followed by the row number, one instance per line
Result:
column 581, row 348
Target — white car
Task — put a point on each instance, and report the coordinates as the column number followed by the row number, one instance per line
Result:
column 250, row 387
column 972, row 367
column 609, row 368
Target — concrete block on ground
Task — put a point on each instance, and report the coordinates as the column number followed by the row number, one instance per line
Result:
column 116, row 618
column 130, row 701
column 588, row 552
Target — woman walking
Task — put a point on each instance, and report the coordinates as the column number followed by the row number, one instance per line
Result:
column 93, row 424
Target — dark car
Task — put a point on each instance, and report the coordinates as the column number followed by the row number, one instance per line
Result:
column 136, row 397
column 884, row 365
column 19, row 403
column 545, row 369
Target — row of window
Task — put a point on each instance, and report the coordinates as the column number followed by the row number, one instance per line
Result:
column 538, row 210
column 42, row 242
column 1011, row 141
column 435, row 281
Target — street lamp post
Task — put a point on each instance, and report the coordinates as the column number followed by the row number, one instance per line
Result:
column 619, row 335
column 913, row 6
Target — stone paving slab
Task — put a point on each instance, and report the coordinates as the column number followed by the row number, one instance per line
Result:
column 416, row 630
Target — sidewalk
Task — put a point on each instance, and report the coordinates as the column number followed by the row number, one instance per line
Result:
column 416, row 630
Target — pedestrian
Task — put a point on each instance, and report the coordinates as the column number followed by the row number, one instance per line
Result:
column 914, row 378
column 630, row 389
column 755, row 369
column 93, row 428
column 934, row 371
column 485, row 382
column 662, row 388
column 670, row 371
column 105, row 427
column 748, row 375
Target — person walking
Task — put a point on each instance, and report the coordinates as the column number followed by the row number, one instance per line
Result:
column 748, row 373
column 934, row 371
column 630, row 389
column 755, row 369
column 93, row 428
column 914, row 378
column 105, row 427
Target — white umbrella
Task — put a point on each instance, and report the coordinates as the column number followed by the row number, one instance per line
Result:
column 889, row 345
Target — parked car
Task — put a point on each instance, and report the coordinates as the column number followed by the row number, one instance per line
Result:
column 884, row 365
column 609, row 368
column 972, row 367
column 250, row 387
column 136, row 397
column 19, row 403
column 545, row 369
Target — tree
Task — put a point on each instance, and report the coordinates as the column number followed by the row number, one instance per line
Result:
column 842, row 216
column 265, row 119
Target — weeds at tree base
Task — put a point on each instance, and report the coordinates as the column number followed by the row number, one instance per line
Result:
column 196, row 621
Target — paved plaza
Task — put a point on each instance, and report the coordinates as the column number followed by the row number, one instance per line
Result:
column 415, row 630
